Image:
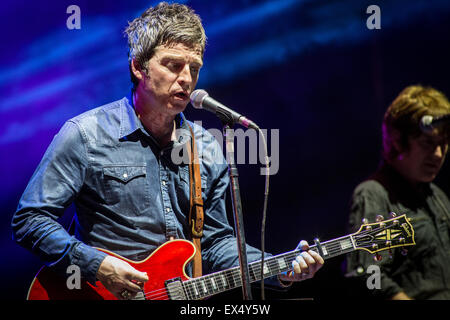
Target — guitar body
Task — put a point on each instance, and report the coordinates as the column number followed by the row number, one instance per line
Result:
column 166, row 262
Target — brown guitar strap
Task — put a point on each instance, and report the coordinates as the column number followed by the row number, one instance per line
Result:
column 196, row 204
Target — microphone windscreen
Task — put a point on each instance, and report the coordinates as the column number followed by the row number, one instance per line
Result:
column 426, row 123
column 197, row 97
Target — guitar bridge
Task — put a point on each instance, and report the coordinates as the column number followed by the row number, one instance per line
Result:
column 175, row 289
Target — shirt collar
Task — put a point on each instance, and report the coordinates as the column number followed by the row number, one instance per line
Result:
column 130, row 123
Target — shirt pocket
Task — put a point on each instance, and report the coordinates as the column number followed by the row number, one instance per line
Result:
column 126, row 186
column 425, row 238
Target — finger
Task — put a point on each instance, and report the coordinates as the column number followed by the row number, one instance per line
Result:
column 318, row 262
column 308, row 259
column 304, row 245
column 137, row 276
column 317, row 257
column 132, row 287
column 299, row 265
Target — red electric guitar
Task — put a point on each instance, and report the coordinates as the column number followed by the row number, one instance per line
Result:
column 168, row 280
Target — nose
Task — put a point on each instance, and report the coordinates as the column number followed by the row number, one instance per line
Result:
column 185, row 77
column 438, row 152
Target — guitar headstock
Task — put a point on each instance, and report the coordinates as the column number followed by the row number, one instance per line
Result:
column 384, row 234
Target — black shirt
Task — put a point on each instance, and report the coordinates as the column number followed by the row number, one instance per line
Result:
column 424, row 273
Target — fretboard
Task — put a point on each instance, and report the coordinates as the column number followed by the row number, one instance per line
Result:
column 214, row 283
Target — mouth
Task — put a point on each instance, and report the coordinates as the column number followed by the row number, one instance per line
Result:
column 433, row 166
column 182, row 95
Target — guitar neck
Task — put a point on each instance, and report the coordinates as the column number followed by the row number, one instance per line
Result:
column 211, row 284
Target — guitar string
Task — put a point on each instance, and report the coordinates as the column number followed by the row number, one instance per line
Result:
column 208, row 288
column 193, row 285
column 189, row 284
column 332, row 248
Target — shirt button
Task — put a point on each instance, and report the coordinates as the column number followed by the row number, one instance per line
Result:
column 163, row 183
column 125, row 175
column 167, row 209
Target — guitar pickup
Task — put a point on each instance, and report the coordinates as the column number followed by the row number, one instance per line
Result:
column 175, row 289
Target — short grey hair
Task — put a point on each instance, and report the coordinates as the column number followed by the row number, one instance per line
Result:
column 164, row 24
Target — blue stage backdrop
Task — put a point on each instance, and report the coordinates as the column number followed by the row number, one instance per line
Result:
column 310, row 70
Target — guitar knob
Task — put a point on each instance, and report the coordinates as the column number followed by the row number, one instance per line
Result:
column 377, row 257
column 379, row 218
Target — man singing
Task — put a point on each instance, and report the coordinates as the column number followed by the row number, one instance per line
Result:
column 114, row 162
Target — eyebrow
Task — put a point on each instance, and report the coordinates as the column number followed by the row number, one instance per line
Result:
column 175, row 56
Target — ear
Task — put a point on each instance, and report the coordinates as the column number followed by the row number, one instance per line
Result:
column 396, row 142
column 136, row 69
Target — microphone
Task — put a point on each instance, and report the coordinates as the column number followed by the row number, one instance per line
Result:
column 429, row 123
column 200, row 99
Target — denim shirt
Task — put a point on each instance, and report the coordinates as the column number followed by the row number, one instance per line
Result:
column 129, row 193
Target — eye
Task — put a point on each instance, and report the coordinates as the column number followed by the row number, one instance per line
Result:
column 195, row 70
column 174, row 66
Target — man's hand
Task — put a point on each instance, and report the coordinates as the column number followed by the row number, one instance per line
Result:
column 304, row 266
column 119, row 277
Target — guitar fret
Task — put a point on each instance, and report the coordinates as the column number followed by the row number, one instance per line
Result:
column 345, row 244
column 336, row 247
column 232, row 279
column 224, row 281
column 204, row 287
column 196, row 292
column 281, row 263
column 210, row 284
column 324, row 251
column 187, row 291
column 266, row 269
column 252, row 273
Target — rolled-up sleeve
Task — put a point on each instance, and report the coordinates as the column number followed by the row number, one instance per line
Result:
column 52, row 188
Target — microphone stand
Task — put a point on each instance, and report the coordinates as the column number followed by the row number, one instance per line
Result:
column 237, row 207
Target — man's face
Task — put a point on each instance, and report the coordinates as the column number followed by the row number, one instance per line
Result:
column 424, row 157
column 172, row 74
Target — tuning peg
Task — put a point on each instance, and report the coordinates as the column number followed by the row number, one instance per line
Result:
column 377, row 257
column 379, row 218
column 365, row 221
column 392, row 214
